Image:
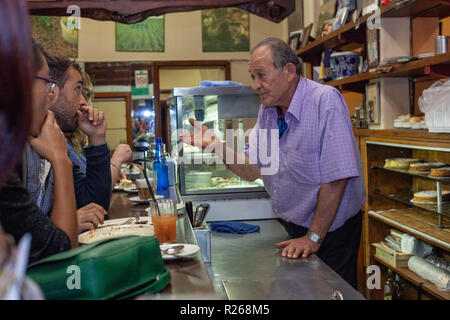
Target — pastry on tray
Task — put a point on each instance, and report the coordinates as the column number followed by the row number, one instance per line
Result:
column 430, row 196
column 416, row 119
column 425, row 167
column 399, row 163
column 440, row 172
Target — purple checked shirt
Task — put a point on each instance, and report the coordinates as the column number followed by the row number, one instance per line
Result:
column 318, row 147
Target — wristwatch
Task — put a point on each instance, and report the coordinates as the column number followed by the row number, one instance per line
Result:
column 314, row 237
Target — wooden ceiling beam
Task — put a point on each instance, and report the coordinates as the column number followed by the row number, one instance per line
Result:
column 132, row 11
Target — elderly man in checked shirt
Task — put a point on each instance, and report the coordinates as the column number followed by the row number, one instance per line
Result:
column 317, row 187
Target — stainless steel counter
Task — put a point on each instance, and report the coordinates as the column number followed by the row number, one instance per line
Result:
column 250, row 267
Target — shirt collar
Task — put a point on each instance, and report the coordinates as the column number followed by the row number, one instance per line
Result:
column 295, row 107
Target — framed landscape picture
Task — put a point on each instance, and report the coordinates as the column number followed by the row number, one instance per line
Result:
column 55, row 36
column 327, row 13
column 147, row 35
column 225, row 30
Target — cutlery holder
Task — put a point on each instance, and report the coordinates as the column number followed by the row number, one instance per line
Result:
column 203, row 236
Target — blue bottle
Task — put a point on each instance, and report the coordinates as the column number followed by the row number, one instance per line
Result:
column 162, row 170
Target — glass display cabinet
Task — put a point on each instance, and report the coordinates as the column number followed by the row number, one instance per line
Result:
column 226, row 110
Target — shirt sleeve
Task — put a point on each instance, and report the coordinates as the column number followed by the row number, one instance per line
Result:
column 20, row 215
column 95, row 185
column 338, row 152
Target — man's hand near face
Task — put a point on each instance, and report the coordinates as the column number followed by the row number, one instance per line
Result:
column 93, row 123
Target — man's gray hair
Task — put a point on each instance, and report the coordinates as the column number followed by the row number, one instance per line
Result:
column 282, row 53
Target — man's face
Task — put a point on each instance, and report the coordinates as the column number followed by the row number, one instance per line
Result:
column 70, row 100
column 271, row 84
column 41, row 100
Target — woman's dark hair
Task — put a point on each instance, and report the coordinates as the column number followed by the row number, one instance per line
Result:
column 16, row 64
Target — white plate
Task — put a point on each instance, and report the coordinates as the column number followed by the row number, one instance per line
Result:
column 179, row 207
column 138, row 200
column 188, row 251
column 117, row 188
column 115, row 231
column 122, row 220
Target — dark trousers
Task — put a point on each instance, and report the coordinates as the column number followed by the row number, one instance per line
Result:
column 339, row 249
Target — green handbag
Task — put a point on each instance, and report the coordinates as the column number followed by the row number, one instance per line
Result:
column 117, row 268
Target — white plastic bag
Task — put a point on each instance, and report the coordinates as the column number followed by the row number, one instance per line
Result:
column 428, row 271
column 414, row 246
column 435, row 96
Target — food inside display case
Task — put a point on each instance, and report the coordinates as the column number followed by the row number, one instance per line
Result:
column 231, row 112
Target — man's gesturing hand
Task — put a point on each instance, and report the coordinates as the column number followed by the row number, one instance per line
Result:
column 201, row 137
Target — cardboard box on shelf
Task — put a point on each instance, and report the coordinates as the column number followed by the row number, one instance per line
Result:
column 424, row 32
column 395, row 38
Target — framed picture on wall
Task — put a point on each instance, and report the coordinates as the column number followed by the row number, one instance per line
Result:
column 147, row 35
column 306, row 35
column 341, row 18
column 373, row 102
column 55, row 35
column 350, row 4
column 225, row 30
column 327, row 27
column 372, row 48
column 327, row 13
column 294, row 39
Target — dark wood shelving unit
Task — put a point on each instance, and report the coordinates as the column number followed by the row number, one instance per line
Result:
column 416, row 280
column 428, row 8
column 437, row 66
column 417, row 222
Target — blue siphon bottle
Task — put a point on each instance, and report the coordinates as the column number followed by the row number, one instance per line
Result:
column 161, row 168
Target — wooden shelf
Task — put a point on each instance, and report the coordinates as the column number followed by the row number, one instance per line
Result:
column 425, row 176
column 416, row 222
column 405, row 197
column 407, row 136
column 339, row 36
column 347, row 33
column 416, row 280
column 437, row 65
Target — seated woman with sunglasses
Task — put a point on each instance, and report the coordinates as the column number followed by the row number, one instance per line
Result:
column 18, row 212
